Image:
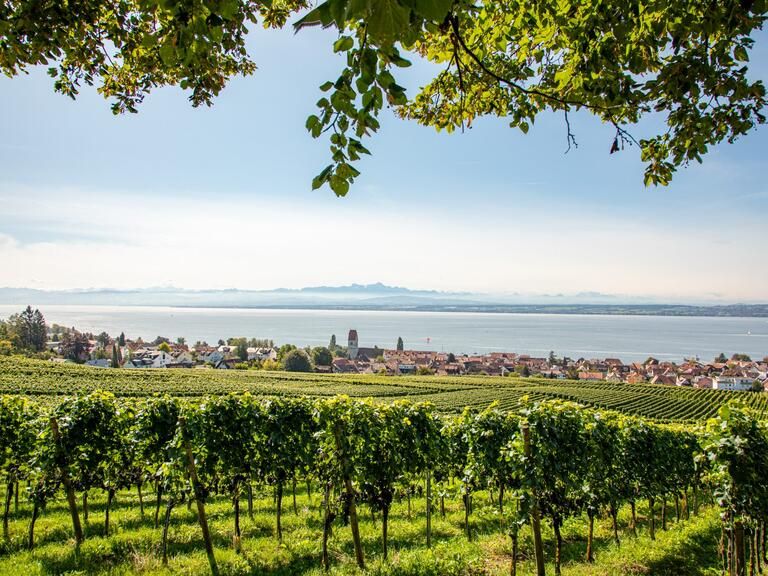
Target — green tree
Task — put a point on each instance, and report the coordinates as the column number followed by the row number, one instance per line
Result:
column 103, row 339
column 6, row 347
column 31, row 330
column 242, row 350
column 284, row 350
column 270, row 365
column 74, row 346
column 164, row 347
column 121, row 339
column 741, row 358
column 322, row 356
column 7, row 330
column 399, row 344
column 297, row 361
column 683, row 62
column 332, row 345
column 181, row 340
column 721, row 359
column 115, row 357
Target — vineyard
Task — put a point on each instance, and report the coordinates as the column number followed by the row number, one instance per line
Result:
column 48, row 382
column 248, row 472
column 509, row 472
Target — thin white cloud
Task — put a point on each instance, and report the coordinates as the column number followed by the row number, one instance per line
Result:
column 128, row 239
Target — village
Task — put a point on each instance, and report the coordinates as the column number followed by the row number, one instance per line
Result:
column 738, row 372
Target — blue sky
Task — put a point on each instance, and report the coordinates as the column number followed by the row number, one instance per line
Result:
column 220, row 197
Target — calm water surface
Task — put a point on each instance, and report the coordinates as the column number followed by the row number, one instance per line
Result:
column 627, row 337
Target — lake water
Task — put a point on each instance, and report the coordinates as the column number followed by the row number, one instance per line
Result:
column 630, row 338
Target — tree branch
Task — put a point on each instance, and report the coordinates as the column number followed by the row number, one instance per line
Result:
column 570, row 137
column 514, row 85
column 621, row 134
column 462, row 90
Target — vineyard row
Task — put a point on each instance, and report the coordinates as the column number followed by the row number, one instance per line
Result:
column 554, row 460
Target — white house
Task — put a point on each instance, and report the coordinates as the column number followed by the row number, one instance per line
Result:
column 212, row 357
column 160, row 358
column 149, row 359
column 262, row 354
column 184, row 358
column 732, row 382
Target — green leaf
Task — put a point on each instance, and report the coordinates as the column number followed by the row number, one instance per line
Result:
column 340, row 186
column 400, row 62
column 229, row 8
column 148, row 40
column 217, row 34
column 312, row 121
column 343, row 44
column 386, row 79
column 168, row 52
column 320, row 16
column 321, row 178
column 388, row 20
column 433, row 9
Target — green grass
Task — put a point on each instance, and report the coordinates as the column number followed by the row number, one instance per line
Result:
column 133, row 547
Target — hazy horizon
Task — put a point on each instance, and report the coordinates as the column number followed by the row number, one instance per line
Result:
column 370, row 296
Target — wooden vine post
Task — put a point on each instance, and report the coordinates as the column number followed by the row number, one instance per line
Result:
column 6, row 510
column 350, row 497
column 429, row 509
column 327, row 519
column 538, row 545
column 70, row 491
column 199, row 500
column 739, row 566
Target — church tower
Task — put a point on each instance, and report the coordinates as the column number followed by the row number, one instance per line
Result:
column 352, row 344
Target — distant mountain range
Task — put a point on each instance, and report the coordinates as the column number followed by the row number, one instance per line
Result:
column 377, row 296
column 377, row 288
